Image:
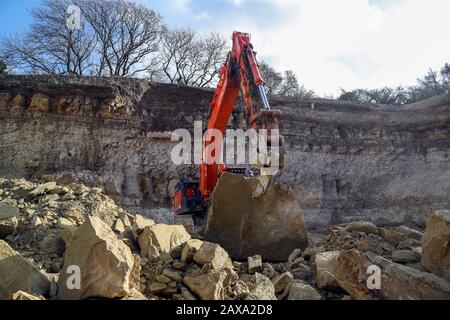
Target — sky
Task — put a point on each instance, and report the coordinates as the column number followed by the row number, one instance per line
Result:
column 329, row 44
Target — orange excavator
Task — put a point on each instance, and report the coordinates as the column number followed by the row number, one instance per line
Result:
column 240, row 73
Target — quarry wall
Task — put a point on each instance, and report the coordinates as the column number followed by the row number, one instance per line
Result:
column 386, row 164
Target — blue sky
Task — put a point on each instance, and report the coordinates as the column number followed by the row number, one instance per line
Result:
column 330, row 44
column 14, row 15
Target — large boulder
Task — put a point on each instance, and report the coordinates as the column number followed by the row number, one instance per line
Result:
column 351, row 270
column 16, row 274
column 8, row 218
column 301, row 291
column 8, row 227
column 213, row 254
column 405, row 256
column 189, row 249
column 209, row 286
column 161, row 238
column 409, row 233
column 392, row 236
column 8, row 209
column 260, row 287
column 254, row 264
column 247, row 218
column 323, row 276
column 362, row 226
column 281, row 281
column 43, row 189
column 436, row 244
column 105, row 263
column 139, row 224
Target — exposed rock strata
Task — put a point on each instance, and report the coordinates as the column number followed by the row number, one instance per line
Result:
column 345, row 161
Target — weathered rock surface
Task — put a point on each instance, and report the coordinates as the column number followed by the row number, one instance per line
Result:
column 301, row 291
column 340, row 239
column 281, row 281
column 25, row 296
column 296, row 253
column 8, row 209
column 8, row 227
column 392, row 236
column 324, row 277
column 208, row 286
column 40, row 222
column 260, row 287
column 408, row 244
column 405, row 256
column 139, row 225
column 161, row 238
column 398, row 282
column 214, row 255
column 16, row 274
column 254, row 264
column 301, row 271
column 409, row 233
column 156, row 287
column 52, row 244
column 436, row 244
column 345, row 161
column 105, row 263
column 40, row 240
column 189, row 249
column 43, row 189
column 361, row 226
column 8, row 217
column 269, row 224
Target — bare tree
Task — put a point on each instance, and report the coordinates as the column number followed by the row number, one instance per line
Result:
column 189, row 59
column 21, row 55
column 117, row 38
column 51, row 46
column 385, row 95
column 127, row 33
column 284, row 84
column 273, row 79
column 445, row 76
column 2, row 67
column 289, row 85
column 305, row 93
column 433, row 83
column 291, row 88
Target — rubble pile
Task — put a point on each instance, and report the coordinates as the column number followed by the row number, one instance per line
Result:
column 73, row 242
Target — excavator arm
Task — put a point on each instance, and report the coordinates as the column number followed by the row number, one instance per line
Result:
column 240, row 73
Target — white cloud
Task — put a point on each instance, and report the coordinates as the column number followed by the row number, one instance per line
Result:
column 237, row 2
column 181, row 5
column 374, row 18
column 350, row 43
column 202, row 16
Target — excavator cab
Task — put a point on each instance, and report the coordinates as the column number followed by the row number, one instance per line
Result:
column 188, row 198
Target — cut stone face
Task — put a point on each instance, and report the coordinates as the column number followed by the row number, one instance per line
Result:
column 249, row 219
